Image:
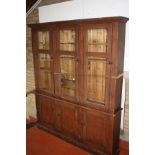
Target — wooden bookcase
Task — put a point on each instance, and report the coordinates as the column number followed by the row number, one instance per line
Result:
column 78, row 74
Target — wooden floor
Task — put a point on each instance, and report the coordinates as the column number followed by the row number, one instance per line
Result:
column 39, row 142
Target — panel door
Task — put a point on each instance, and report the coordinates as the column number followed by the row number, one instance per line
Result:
column 69, row 120
column 97, row 65
column 98, row 131
column 45, row 109
column 44, row 60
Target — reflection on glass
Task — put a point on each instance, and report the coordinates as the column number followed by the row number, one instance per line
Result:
column 45, row 78
column 43, row 40
column 97, row 40
column 96, row 79
column 67, row 75
column 67, row 40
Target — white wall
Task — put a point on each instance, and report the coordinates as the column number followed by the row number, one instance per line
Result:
column 81, row 9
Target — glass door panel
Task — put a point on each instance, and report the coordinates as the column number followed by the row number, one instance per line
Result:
column 97, row 40
column 67, row 40
column 96, row 70
column 43, row 40
column 44, row 61
column 46, row 82
column 67, row 65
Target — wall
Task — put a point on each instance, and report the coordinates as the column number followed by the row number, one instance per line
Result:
column 81, row 9
column 126, row 115
column 30, row 83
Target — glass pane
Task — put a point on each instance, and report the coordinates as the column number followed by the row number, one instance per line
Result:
column 44, row 61
column 97, row 39
column 45, row 81
column 43, row 40
column 67, row 40
column 67, row 75
column 45, row 73
column 67, row 47
column 96, row 79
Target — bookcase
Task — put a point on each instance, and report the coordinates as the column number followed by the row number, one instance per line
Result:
column 78, row 75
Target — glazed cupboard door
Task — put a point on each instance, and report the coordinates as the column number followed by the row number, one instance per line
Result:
column 44, row 60
column 97, row 65
column 67, row 55
column 46, row 81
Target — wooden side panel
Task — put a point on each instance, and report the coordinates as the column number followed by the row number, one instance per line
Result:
column 118, row 48
column 118, row 93
column 117, row 64
column 116, row 132
column 98, row 131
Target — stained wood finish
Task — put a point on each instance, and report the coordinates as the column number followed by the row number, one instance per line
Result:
column 95, row 124
column 78, row 84
column 69, row 120
column 45, row 110
column 57, row 117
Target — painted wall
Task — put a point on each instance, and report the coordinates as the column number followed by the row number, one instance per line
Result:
column 81, row 9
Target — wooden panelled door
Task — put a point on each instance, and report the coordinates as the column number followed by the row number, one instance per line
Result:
column 45, row 62
column 46, row 110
